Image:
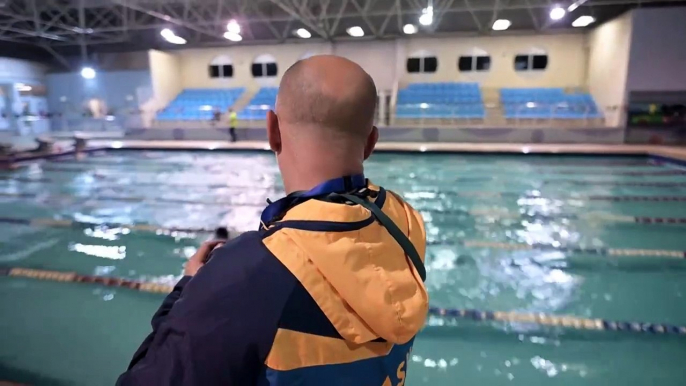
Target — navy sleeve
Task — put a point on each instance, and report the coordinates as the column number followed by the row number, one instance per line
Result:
column 158, row 318
column 221, row 328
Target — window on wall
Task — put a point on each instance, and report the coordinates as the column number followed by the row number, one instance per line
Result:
column 474, row 63
column 531, row 62
column 422, row 64
column 221, row 67
column 264, row 66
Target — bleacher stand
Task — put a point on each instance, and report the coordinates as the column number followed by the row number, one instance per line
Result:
column 547, row 103
column 440, row 101
column 261, row 102
column 199, row 104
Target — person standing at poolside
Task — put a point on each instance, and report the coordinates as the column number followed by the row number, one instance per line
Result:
column 329, row 291
column 233, row 123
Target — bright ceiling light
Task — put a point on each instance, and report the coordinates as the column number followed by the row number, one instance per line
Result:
column 427, row 16
column 88, row 73
column 557, row 13
column 234, row 37
column 583, row 21
column 171, row 37
column 355, row 31
column 303, row 33
column 501, row 25
column 410, row 29
column 233, row 27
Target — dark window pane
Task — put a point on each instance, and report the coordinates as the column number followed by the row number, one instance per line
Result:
column 521, row 62
column 430, row 64
column 227, row 71
column 214, row 71
column 540, row 62
column 256, row 69
column 464, row 63
column 413, row 65
column 483, row 63
column 271, row 69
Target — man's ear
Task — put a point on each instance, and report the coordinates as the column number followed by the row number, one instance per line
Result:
column 273, row 132
column 371, row 142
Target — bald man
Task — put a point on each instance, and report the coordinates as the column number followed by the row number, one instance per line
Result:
column 329, row 290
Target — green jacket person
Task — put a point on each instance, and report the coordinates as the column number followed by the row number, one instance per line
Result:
column 329, row 290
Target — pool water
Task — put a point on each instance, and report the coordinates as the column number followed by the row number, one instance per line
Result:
column 78, row 334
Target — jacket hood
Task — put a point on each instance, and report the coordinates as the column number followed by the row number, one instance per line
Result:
column 358, row 274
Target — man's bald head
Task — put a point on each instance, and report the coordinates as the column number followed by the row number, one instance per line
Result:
column 327, row 93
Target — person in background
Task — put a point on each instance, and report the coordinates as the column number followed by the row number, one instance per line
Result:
column 233, row 122
column 329, row 290
column 216, row 116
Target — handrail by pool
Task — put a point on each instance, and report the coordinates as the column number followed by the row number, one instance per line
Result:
column 565, row 321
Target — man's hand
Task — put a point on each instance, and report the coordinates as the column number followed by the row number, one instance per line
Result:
column 198, row 260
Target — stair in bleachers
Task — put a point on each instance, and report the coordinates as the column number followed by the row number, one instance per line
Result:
column 263, row 101
column 440, row 101
column 199, row 104
column 547, row 103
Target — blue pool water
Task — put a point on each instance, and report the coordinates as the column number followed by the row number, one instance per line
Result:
column 78, row 334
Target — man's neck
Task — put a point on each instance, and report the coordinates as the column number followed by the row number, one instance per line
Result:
column 305, row 181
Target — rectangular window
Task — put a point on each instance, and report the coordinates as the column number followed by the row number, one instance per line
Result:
column 413, row 65
column 430, row 64
column 227, row 70
column 257, row 69
column 214, row 71
column 483, row 63
column 540, row 62
column 521, row 62
column 464, row 63
column 271, row 69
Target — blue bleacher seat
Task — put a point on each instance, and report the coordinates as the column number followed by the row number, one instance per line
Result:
column 446, row 100
column 263, row 101
column 199, row 104
column 547, row 103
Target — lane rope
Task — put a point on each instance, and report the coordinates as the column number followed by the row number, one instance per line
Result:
column 142, row 199
column 465, row 243
column 575, row 250
column 565, row 321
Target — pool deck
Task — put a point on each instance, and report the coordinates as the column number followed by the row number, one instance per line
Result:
column 672, row 152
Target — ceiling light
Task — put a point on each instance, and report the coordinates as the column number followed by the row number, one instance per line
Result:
column 88, row 73
column 233, row 27
column 355, row 31
column 234, row 37
column 303, row 33
column 427, row 16
column 170, row 37
column 583, row 21
column 501, row 25
column 557, row 13
column 410, row 29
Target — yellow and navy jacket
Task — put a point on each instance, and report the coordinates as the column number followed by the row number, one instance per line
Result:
column 322, row 294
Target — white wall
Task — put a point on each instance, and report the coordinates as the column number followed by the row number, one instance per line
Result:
column 658, row 50
column 378, row 58
column 610, row 47
column 385, row 61
column 194, row 64
column 165, row 75
column 567, row 58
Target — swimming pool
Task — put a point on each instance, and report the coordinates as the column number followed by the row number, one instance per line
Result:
column 564, row 213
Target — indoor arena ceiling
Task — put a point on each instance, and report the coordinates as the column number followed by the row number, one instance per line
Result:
column 69, row 28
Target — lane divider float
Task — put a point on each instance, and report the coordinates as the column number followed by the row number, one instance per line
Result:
column 575, row 250
column 564, row 321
